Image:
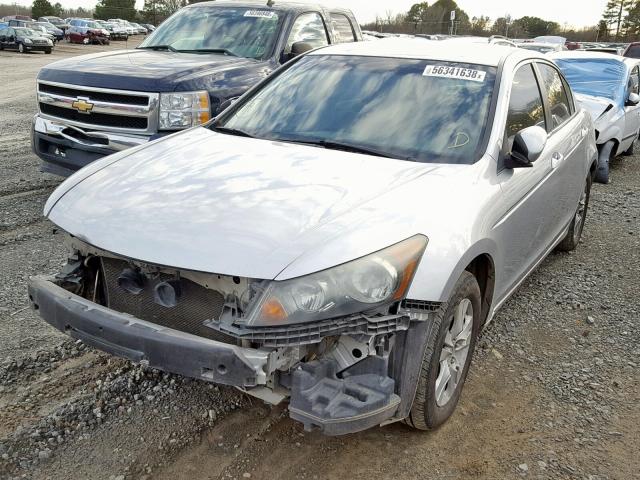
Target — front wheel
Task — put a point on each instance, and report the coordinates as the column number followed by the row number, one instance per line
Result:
column 447, row 356
column 571, row 240
column 48, row 51
column 604, row 158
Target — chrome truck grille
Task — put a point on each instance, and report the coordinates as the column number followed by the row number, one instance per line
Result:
column 99, row 108
column 196, row 303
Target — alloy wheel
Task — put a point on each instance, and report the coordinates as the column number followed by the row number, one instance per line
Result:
column 454, row 353
column 578, row 221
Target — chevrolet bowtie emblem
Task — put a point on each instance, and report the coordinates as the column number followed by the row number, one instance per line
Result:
column 82, row 105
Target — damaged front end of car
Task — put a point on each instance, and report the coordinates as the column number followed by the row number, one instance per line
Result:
column 345, row 344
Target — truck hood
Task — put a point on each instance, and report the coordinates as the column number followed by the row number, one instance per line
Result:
column 204, row 201
column 146, row 70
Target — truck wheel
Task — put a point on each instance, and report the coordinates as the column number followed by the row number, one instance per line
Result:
column 570, row 242
column 48, row 51
column 447, row 356
column 602, row 171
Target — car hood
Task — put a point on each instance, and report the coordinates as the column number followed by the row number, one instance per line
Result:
column 144, row 70
column 596, row 106
column 204, row 201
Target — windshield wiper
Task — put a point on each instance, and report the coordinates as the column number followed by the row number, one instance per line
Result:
column 232, row 131
column 159, row 47
column 348, row 147
column 210, row 50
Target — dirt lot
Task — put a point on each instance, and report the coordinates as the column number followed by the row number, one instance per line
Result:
column 553, row 392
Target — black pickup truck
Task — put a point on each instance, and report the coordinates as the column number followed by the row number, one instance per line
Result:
column 194, row 65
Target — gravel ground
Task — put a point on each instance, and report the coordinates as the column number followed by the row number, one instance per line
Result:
column 553, row 392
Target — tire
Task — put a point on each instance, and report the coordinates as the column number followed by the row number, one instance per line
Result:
column 21, row 48
column 432, row 408
column 47, row 52
column 571, row 240
column 604, row 158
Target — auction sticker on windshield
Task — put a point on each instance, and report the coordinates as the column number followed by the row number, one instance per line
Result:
column 259, row 13
column 444, row 71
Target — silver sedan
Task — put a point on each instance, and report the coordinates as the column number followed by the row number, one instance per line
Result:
column 339, row 236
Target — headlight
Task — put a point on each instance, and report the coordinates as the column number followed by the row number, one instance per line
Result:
column 49, row 42
column 28, row 41
column 183, row 110
column 361, row 285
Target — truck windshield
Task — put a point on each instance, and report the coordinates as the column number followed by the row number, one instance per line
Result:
column 247, row 32
column 420, row 110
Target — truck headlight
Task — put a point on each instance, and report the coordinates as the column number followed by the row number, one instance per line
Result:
column 361, row 285
column 184, row 109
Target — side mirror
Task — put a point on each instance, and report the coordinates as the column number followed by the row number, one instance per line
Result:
column 528, row 145
column 299, row 48
column 633, row 100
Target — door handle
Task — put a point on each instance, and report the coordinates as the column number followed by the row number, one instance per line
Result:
column 556, row 159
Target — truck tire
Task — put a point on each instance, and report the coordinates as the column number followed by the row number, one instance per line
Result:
column 571, row 240
column 602, row 170
column 447, row 356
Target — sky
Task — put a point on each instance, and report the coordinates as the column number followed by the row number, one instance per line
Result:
column 576, row 13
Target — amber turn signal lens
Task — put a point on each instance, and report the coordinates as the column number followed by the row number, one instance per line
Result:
column 272, row 310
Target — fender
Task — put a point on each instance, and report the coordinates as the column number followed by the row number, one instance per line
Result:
column 485, row 246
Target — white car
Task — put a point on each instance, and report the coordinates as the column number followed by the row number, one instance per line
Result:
column 542, row 47
column 339, row 235
column 609, row 88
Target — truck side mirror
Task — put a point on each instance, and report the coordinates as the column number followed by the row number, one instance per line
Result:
column 633, row 100
column 299, row 48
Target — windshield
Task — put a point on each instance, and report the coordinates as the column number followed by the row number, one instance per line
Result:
column 597, row 77
column 25, row 32
column 402, row 108
column 633, row 51
column 246, row 32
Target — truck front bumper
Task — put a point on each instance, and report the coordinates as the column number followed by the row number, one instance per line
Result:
column 143, row 342
column 65, row 148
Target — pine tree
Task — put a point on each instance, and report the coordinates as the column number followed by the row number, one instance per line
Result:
column 42, row 8
column 125, row 9
column 615, row 12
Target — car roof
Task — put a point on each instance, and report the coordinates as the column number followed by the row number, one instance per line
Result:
column 443, row 50
column 263, row 5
